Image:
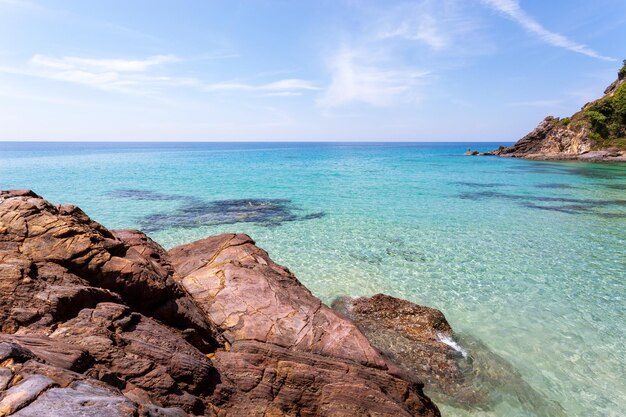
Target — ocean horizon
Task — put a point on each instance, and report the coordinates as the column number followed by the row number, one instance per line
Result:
column 525, row 258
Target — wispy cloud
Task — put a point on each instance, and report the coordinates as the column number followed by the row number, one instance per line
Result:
column 400, row 48
column 123, row 75
column 513, row 10
column 358, row 76
column 102, row 65
column 425, row 29
column 282, row 86
column 143, row 76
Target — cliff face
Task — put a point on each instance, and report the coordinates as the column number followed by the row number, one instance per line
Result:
column 596, row 133
column 108, row 323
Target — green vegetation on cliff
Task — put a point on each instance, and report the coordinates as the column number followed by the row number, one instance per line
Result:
column 606, row 117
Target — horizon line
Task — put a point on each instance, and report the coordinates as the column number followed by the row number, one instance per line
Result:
column 253, row 141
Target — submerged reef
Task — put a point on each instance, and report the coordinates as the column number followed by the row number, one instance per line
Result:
column 560, row 204
column 196, row 212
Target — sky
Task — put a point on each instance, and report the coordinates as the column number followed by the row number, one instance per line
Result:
column 284, row 70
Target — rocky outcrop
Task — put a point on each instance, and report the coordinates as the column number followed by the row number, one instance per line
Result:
column 99, row 322
column 596, row 133
column 249, row 297
column 418, row 339
column 457, row 370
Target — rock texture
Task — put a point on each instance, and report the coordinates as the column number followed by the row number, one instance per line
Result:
column 250, row 297
column 596, row 133
column 457, row 370
column 418, row 339
column 107, row 323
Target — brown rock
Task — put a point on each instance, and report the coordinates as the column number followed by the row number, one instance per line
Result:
column 249, row 297
column 418, row 339
column 23, row 393
column 116, row 326
column 259, row 379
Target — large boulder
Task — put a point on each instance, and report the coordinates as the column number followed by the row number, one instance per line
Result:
column 249, row 297
column 286, row 339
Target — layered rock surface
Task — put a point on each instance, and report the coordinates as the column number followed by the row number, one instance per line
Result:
column 95, row 322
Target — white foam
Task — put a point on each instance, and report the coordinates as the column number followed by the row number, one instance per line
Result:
column 452, row 343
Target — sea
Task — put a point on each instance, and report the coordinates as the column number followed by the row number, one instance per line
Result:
column 526, row 259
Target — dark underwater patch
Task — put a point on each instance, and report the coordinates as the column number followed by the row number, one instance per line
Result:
column 558, row 204
column 367, row 256
column 555, row 185
column 266, row 212
column 571, row 168
column 480, row 195
column 615, row 186
column 482, row 184
column 568, row 208
column 146, row 195
column 408, row 255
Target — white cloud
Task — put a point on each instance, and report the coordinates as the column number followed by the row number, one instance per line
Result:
column 425, row 29
column 102, row 65
column 444, row 26
column 358, row 76
column 513, row 10
column 290, row 85
column 141, row 76
column 124, row 75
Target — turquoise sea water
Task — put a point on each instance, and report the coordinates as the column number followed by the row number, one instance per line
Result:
column 527, row 257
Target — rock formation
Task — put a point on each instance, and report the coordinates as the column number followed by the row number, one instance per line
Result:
column 596, row 133
column 459, row 370
column 107, row 323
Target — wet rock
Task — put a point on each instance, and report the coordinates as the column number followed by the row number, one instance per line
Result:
column 457, row 370
column 417, row 338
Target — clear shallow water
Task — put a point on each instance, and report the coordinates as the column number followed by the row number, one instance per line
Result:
column 527, row 257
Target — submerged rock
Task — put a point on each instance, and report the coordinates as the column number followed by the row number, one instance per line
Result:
column 457, row 370
column 95, row 322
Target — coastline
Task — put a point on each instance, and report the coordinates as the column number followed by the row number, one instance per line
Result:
column 421, row 258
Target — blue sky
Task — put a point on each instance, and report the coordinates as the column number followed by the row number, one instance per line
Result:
column 424, row 70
